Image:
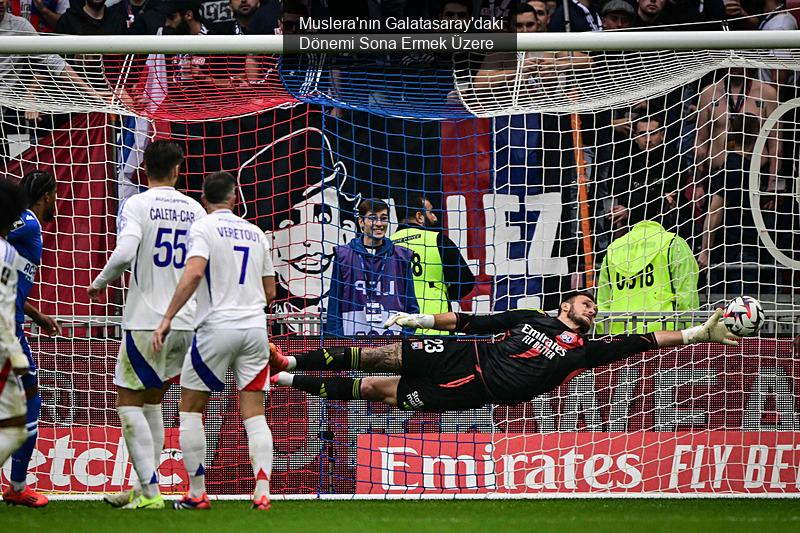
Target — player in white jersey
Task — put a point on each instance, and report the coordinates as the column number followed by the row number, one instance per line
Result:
column 230, row 268
column 13, row 360
column 153, row 236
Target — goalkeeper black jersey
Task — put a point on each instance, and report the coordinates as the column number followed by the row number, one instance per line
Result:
column 539, row 352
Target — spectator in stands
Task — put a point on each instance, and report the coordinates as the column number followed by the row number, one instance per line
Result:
column 735, row 93
column 648, row 269
column 183, row 17
column 267, row 19
column 194, row 74
column 496, row 9
column 500, row 70
column 440, row 272
column 243, row 14
column 371, row 278
column 12, row 68
column 582, row 17
column 729, row 205
column 646, row 185
column 21, row 74
column 42, row 15
column 694, row 15
column 293, row 12
column 456, row 10
column 93, row 18
column 241, row 69
column 778, row 19
column 650, row 14
column 542, row 15
column 617, row 15
column 143, row 17
column 742, row 14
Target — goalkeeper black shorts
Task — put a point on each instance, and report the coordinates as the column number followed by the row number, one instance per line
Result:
column 439, row 375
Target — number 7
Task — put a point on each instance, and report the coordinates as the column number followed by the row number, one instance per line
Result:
column 245, row 254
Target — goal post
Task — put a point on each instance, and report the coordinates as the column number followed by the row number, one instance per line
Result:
column 536, row 159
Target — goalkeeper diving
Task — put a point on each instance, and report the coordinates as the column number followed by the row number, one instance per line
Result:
column 538, row 354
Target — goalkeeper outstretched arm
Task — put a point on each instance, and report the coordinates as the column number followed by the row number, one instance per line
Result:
column 711, row 331
column 603, row 352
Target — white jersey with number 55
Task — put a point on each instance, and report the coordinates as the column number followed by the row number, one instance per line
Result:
column 160, row 219
column 231, row 294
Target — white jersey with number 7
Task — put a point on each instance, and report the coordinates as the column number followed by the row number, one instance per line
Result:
column 231, row 294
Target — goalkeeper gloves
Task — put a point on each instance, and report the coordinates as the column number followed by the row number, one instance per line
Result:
column 407, row 320
column 712, row 331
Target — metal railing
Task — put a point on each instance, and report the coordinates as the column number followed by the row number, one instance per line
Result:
column 780, row 322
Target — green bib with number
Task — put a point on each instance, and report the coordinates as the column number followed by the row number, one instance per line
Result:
column 639, row 272
column 426, row 266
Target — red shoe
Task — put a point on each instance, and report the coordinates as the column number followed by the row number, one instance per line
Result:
column 27, row 497
column 262, row 504
column 186, row 502
column 277, row 361
column 273, row 378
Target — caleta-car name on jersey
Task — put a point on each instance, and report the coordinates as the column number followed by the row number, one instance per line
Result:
column 168, row 213
column 544, row 345
column 239, row 234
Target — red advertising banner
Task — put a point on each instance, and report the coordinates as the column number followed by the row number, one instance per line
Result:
column 686, row 462
column 698, row 419
column 95, row 459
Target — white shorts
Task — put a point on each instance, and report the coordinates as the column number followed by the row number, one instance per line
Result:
column 213, row 351
column 139, row 367
column 12, row 396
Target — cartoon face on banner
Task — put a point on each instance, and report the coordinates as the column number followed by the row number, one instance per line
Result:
column 313, row 218
column 303, row 243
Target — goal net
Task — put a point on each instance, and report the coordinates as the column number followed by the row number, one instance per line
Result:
column 535, row 163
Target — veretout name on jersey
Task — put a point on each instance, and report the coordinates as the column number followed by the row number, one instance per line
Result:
column 239, row 234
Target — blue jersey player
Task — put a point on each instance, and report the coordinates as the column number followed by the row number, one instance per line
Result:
column 26, row 237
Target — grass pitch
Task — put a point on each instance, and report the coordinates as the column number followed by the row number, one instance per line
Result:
column 461, row 516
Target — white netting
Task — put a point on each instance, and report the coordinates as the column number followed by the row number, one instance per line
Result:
column 563, row 82
column 536, row 171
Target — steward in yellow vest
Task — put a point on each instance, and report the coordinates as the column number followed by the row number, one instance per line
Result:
column 648, row 269
column 441, row 274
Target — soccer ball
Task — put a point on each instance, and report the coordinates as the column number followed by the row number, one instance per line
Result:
column 743, row 316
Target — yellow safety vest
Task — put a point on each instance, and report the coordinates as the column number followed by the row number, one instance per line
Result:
column 426, row 267
column 640, row 279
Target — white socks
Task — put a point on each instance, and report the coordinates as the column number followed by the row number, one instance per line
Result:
column 152, row 412
column 193, row 448
column 259, row 439
column 286, row 379
column 137, row 436
column 292, row 362
column 11, row 438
